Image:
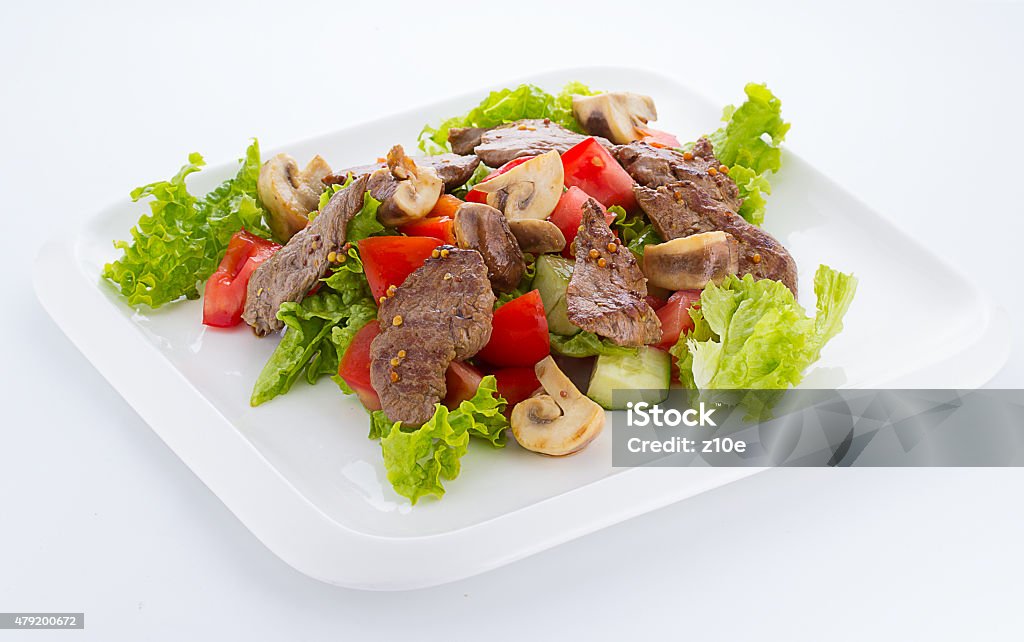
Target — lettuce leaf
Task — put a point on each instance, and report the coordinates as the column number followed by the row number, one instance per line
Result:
column 505, row 106
column 307, row 344
column 318, row 331
column 586, row 344
column 749, row 145
column 754, row 334
column 634, row 231
column 365, row 223
column 180, row 242
column 419, row 460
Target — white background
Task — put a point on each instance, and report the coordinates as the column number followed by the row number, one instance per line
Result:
column 917, row 109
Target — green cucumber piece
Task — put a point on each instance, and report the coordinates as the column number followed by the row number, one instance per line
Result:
column 646, row 376
column 552, row 280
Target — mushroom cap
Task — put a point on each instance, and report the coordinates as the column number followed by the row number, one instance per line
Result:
column 288, row 194
column 615, row 115
column 559, row 422
column 415, row 193
column 691, row 262
column 529, row 190
column 537, row 236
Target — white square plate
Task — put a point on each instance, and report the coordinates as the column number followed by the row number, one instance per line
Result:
column 303, row 477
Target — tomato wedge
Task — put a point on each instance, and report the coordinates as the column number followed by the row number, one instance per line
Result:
column 658, row 138
column 590, row 167
column 462, row 381
column 520, row 333
column 516, row 384
column 675, row 317
column 568, row 214
column 438, row 227
column 389, row 260
column 355, row 365
column 476, row 196
column 446, row 206
column 224, row 294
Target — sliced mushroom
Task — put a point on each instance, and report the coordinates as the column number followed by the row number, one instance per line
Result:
column 614, row 115
column 537, row 236
column 290, row 194
column 561, row 421
column 691, row 262
column 407, row 191
column 530, row 190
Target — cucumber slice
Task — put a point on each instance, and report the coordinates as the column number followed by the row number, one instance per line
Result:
column 552, row 280
column 645, row 376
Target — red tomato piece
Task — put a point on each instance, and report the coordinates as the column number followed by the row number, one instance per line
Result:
column 355, row 365
column 224, row 294
column 516, row 384
column 446, row 206
column 476, row 196
column 568, row 214
column 389, row 260
column 438, row 227
column 658, row 138
column 654, row 301
column 462, row 381
column 675, row 317
column 590, row 167
column 520, row 333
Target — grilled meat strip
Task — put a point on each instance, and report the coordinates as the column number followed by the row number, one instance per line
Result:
column 501, row 144
column 683, row 209
column 463, row 139
column 607, row 289
column 454, row 169
column 656, row 166
column 441, row 313
column 293, row 270
column 682, row 196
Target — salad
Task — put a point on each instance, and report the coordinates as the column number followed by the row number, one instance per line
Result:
column 451, row 290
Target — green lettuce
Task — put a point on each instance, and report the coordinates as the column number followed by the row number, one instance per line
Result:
column 749, row 145
column 754, row 334
column 365, row 223
column 309, row 344
column 180, row 242
column 586, row 344
column 505, row 106
column 634, row 231
column 418, row 460
column 318, row 330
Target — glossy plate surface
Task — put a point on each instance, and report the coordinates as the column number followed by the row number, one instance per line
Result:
column 303, row 477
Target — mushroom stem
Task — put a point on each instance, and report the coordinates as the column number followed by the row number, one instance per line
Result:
column 691, row 262
column 537, row 236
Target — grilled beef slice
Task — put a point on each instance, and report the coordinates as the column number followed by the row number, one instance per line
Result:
column 655, row 166
column 484, row 229
column 501, row 144
column 683, row 209
column 441, row 313
column 290, row 273
column 454, row 169
column 607, row 289
column 463, row 139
